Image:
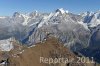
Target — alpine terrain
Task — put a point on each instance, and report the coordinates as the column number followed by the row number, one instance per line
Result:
column 25, row 35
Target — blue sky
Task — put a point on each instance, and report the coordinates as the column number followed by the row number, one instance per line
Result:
column 8, row 7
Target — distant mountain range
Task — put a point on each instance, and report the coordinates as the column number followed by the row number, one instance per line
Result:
column 78, row 32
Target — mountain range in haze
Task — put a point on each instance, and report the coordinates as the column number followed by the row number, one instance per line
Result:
column 79, row 32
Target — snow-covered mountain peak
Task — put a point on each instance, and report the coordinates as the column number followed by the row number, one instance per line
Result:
column 61, row 10
column 97, row 11
column 34, row 13
column 97, row 14
column 16, row 14
column 67, row 11
column 87, row 14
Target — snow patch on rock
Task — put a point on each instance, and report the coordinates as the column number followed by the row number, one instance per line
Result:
column 6, row 45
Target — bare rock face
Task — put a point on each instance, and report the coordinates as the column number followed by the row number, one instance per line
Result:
column 46, row 50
